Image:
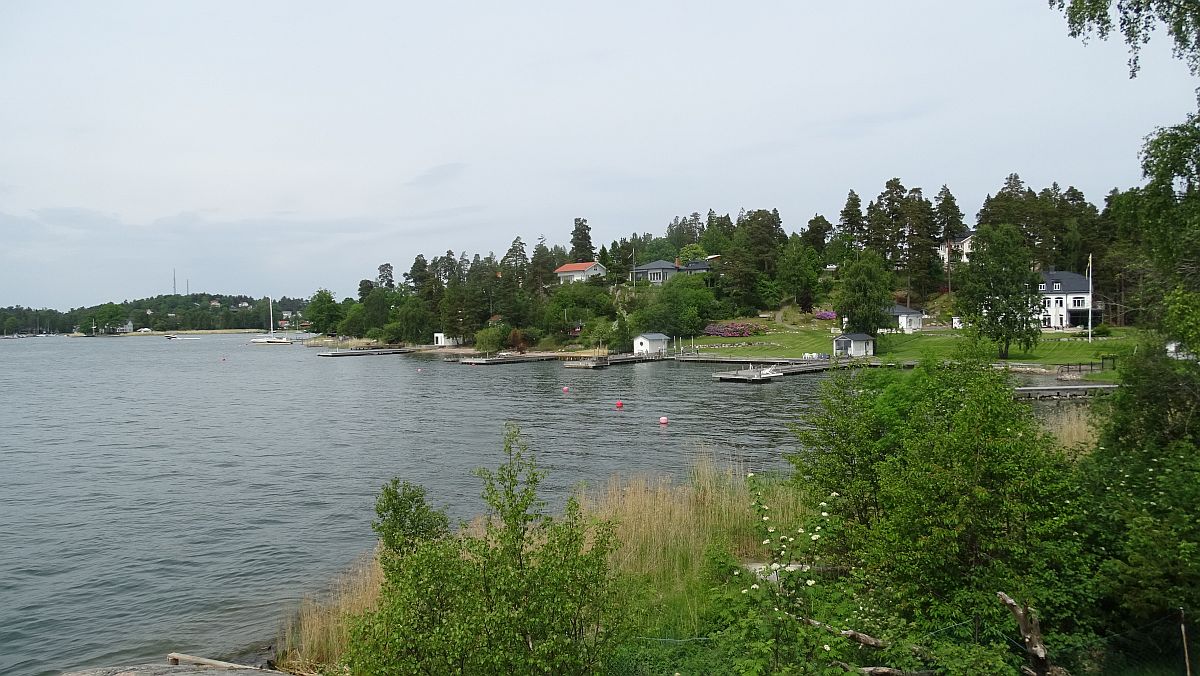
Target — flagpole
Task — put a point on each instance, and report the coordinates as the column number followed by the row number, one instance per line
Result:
column 1091, row 298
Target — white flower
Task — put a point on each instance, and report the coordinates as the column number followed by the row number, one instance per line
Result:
column 771, row 529
column 737, row 572
column 823, row 504
column 799, row 530
column 766, row 542
column 835, row 494
column 827, row 646
column 749, row 474
column 811, row 582
column 817, row 528
column 745, row 590
column 754, row 586
column 815, row 537
column 824, row 513
column 774, row 566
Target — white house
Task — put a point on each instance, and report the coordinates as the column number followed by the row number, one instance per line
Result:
column 442, row 340
column 658, row 272
column 854, row 345
column 1066, row 300
column 651, row 343
column 907, row 319
column 579, row 272
column 961, row 248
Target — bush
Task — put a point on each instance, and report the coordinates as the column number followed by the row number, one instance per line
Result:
column 1102, row 331
column 405, row 519
column 378, row 335
column 492, row 338
column 733, row 330
column 826, row 315
column 532, row 594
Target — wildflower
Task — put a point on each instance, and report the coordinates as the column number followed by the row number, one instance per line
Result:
column 817, row 528
column 771, row 529
column 737, row 572
column 749, row 474
column 811, row 582
column 827, row 647
column 835, row 494
column 754, row 586
column 766, row 542
column 799, row 530
column 815, row 537
column 774, row 566
column 823, row 504
column 745, row 590
column 825, row 514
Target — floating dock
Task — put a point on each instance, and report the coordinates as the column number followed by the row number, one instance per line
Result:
column 510, row 359
column 366, row 352
column 797, row 367
column 611, row 360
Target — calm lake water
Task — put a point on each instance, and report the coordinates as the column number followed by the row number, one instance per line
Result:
column 161, row 496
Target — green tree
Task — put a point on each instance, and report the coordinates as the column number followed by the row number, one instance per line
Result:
column 323, row 311
column 799, row 272
column 10, row 325
column 365, row 286
column 582, row 250
column 718, row 233
column 922, row 267
column 850, row 221
column 865, row 294
column 404, row 519
column 376, row 308
column 1137, row 20
column 692, row 252
column 354, row 322
column 108, row 317
column 763, row 237
column 386, row 277
column 817, row 234
column 998, row 291
column 682, row 307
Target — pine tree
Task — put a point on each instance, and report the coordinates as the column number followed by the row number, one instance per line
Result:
column 851, row 223
column 951, row 228
column 921, row 262
column 582, row 250
column 816, row 235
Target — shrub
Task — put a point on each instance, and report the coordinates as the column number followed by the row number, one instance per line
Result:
column 405, row 519
column 733, row 329
column 825, row 315
column 1102, row 330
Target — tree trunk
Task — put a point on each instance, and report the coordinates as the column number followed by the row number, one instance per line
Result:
column 1031, row 633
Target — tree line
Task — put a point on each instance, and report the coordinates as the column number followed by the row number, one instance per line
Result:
column 171, row 312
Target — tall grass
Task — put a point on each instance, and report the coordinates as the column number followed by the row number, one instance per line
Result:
column 665, row 528
column 1071, row 424
column 316, row 636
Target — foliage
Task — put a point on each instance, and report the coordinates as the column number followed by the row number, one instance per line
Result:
column 997, row 290
column 680, row 308
column 354, row 323
column 532, row 594
column 1137, row 20
column 799, row 272
column 493, row 338
column 582, row 250
column 865, row 294
column 405, row 519
column 323, row 311
column 733, row 329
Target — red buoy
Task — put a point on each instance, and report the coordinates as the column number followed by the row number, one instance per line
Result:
column 620, row 404
column 565, row 388
column 663, row 420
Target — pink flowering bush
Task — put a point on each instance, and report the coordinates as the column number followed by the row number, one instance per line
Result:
column 733, row 329
column 826, row 314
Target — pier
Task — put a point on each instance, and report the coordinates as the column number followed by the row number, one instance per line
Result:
column 366, row 352
column 766, row 374
column 611, row 360
column 1063, row 391
column 507, row 359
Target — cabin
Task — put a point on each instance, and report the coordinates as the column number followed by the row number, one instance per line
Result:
column 580, row 272
column 854, row 345
column 651, row 343
column 907, row 319
column 658, row 272
column 442, row 340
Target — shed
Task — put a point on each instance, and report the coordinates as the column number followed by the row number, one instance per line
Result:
column 854, row 345
column 651, row 343
column 907, row 319
column 442, row 340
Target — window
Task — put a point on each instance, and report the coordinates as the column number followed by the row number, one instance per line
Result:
column 1058, row 302
column 1042, row 286
column 1058, row 286
column 1045, row 302
column 1077, row 301
column 655, row 275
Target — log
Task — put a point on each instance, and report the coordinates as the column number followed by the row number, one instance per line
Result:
column 882, row 671
column 181, row 658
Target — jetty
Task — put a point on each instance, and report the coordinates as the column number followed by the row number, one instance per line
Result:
column 766, row 374
column 367, row 352
column 506, row 359
column 1063, row 391
column 600, row 362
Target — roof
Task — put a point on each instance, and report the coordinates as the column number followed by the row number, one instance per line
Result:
column 576, row 267
column 898, row 309
column 855, row 336
column 697, row 266
column 654, row 336
column 1071, row 282
column 656, row 265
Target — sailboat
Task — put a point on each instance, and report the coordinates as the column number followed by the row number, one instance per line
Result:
column 271, row 338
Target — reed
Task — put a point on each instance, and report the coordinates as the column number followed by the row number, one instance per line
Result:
column 1072, row 425
column 316, row 636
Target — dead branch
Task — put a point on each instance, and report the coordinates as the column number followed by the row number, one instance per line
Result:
column 881, row 671
column 1031, row 634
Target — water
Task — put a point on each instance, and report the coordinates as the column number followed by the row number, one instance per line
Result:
column 183, row 495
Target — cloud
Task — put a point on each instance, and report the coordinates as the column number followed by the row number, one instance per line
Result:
column 437, row 175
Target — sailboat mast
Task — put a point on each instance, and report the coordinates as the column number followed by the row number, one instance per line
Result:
column 271, row 315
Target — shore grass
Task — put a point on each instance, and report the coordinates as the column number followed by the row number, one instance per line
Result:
column 665, row 529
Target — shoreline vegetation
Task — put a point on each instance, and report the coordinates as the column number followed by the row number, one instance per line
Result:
column 674, row 537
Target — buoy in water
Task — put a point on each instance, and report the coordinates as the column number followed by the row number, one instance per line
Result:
column 418, row 370
column 663, row 420
column 566, row 389
column 620, row 404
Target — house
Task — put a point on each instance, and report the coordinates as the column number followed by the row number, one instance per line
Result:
column 580, row 272
column 214, row 303
column 658, row 272
column 442, row 340
column 959, row 248
column 149, row 312
column 243, row 305
column 907, row 319
column 127, row 327
column 1066, row 299
column 854, row 345
column 651, row 343
column 287, row 314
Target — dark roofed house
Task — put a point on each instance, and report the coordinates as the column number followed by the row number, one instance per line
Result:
column 854, row 345
column 658, row 272
column 907, row 319
column 1066, row 299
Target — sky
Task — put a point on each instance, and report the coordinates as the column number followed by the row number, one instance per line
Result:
column 274, row 148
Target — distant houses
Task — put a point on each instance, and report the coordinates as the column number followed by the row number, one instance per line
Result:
column 960, row 249
column 580, row 272
column 658, row 272
column 906, row 319
column 1066, row 299
column 854, row 345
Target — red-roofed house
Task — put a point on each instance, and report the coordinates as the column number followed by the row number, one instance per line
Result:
column 579, row 272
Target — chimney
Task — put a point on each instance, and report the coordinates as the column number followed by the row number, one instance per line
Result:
column 677, row 265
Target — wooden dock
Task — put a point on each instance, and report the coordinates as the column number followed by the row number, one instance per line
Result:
column 1063, row 391
column 510, row 359
column 797, row 367
column 610, row 360
column 366, row 352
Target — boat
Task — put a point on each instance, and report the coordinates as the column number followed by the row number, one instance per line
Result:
column 271, row 338
column 172, row 336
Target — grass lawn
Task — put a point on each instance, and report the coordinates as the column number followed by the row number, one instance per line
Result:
column 1054, row 348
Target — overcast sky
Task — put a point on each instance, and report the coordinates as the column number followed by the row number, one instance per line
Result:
column 278, row 147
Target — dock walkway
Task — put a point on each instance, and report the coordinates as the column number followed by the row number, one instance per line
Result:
column 797, row 367
column 1063, row 391
column 367, row 352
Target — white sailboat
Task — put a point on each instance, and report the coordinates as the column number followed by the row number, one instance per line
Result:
column 271, row 338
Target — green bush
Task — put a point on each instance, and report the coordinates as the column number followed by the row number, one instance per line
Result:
column 1102, row 330
column 405, row 519
column 532, row 594
column 492, row 339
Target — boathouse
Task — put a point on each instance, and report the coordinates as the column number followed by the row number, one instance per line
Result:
column 651, row 343
column 442, row 340
column 907, row 319
column 854, row 345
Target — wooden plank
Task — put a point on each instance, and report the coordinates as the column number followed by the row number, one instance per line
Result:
column 181, row 658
